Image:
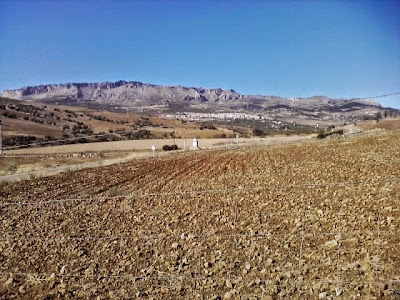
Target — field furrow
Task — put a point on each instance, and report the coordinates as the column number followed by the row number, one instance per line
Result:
column 286, row 221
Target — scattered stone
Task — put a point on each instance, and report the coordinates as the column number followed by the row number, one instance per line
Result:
column 331, row 244
column 228, row 283
column 159, row 266
column 230, row 294
column 9, row 281
column 338, row 291
column 322, row 295
column 251, row 283
column 21, row 289
column 62, row 271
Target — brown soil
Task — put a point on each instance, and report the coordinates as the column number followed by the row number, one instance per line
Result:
column 289, row 221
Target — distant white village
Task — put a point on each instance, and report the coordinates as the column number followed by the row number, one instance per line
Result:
column 190, row 116
column 276, row 119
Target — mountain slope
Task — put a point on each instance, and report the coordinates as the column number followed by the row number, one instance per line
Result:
column 143, row 97
column 121, row 91
column 129, row 92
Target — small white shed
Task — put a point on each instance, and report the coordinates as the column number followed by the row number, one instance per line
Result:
column 195, row 144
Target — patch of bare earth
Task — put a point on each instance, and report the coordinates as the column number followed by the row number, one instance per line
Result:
column 291, row 221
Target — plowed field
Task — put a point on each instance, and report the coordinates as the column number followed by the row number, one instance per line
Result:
column 318, row 219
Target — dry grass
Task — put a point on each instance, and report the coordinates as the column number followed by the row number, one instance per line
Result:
column 145, row 145
column 159, row 128
column 269, row 234
column 387, row 124
column 20, row 164
column 22, row 127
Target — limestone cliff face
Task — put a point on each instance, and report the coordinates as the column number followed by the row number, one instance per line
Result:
column 121, row 91
column 138, row 95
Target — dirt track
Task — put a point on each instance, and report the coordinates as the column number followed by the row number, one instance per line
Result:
column 138, row 147
column 146, row 145
column 281, row 222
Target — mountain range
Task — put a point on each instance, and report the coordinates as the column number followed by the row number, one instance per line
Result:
column 144, row 97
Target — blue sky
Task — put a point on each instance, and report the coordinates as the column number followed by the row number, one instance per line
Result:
column 286, row 48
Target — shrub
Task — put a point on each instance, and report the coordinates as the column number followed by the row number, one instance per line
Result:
column 258, row 132
column 49, row 138
column 82, row 141
column 9, row 115
column 115, row 138
column 19, row 140
column 368, row 117
column 170, row 147
column 102, row 138
column 323, row 135
column 138, row 135
column 207, row 126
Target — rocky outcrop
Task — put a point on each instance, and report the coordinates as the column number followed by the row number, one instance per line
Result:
column 138, row 95
column 121, row 91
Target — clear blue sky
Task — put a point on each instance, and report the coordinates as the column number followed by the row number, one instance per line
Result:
column 286, row 48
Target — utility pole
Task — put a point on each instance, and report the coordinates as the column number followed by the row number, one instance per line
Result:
column 1, row 138
column 174, row 130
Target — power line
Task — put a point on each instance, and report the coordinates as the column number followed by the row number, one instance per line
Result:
column 380, row 96
column 100, row 135
column 1, row 138
column 172, row 278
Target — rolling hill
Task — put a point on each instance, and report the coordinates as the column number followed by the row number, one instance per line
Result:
column 143, row 97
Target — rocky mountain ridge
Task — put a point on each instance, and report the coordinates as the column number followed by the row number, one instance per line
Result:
column 121, row 91
column 158, row 99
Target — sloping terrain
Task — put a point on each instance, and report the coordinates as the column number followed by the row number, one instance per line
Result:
column 290, row 221
column 140, row 97
column 386, row 124
column 34, row 122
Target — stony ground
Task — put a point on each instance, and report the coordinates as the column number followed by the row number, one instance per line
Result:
column 317, row 219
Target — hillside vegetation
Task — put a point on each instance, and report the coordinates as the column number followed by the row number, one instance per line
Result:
column 307, row 220
column 46, row 125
